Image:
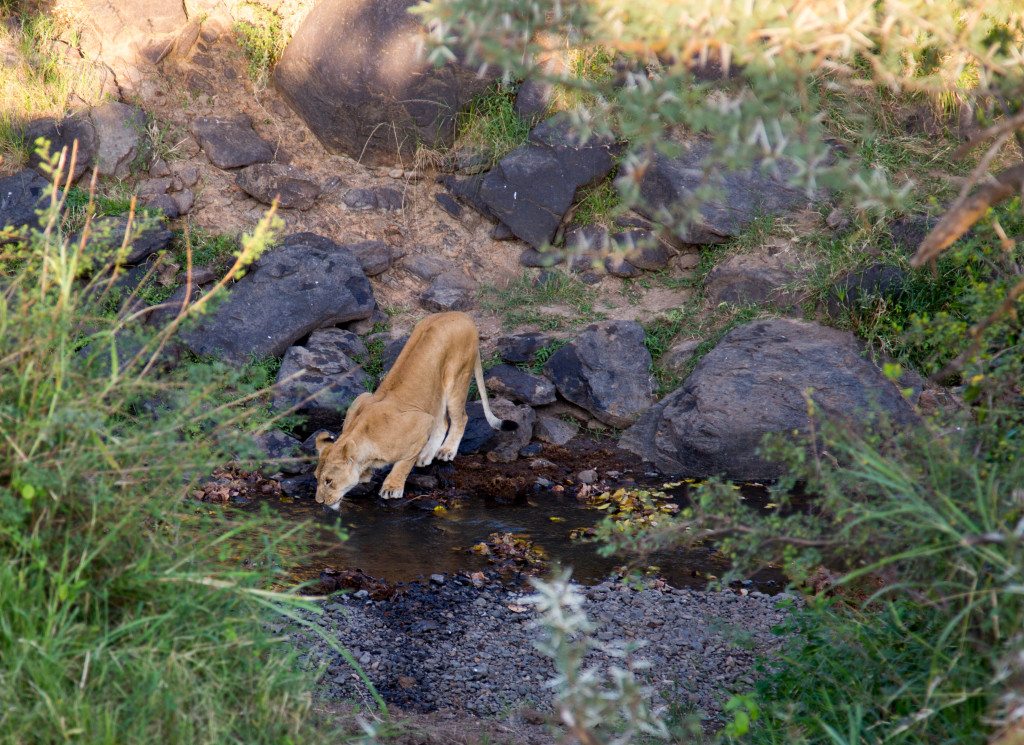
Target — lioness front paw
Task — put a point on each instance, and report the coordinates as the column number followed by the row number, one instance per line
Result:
column 389, row 493
column 446, row 454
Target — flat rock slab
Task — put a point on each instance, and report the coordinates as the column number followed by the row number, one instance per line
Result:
column 532, row 188
column 519, row 386
column 62, row 134
column 606, row 370
column 321, row 378
column 307, row 283
column 20, row 197
column 119, row 135
column 754, row 383
column 378, row 98
column 669, row 184
column 230, row 141
column 146, row 238
column 293, row 187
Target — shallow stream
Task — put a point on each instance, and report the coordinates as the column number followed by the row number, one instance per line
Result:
column 406, row 542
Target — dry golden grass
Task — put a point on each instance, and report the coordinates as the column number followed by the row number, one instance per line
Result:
column 41, row 76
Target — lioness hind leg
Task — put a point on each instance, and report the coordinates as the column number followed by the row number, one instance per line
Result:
column 394, row 485
column 429, row 450
column 457, row 420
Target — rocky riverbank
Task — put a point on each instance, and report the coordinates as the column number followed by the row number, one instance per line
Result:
column 468, row 644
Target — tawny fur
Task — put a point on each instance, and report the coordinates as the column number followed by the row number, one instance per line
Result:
column 416, row 415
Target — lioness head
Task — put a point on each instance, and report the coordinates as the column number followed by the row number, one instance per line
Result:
column 338, row 470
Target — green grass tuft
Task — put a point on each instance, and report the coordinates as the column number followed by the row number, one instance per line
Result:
column 599, row 205
column 262, row 39
column 491, row 126
column 522, row 302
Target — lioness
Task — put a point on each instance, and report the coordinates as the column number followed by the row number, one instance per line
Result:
column 417, row 414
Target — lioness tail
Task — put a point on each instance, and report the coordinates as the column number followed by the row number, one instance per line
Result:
column 505, row 425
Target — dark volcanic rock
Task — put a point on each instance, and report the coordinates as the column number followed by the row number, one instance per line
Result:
column 753, row 383
column 517, row 348
column 877, row 280
column 62, row 134
column 478, row 432
column 294, row 187
column 541, row 259
column 670, row 182
column 532, row 98
column 532, row 188
column 424, row 267
column 642, row 249
column 319, row 379
column 375, row 198
column 467, row 191
column 379, row 98
column 230, row 141
column 505, row 446
column 553, row 430
column 282, row 452
column 519, row 385
column 308, row 282
column 450, row 291
column 164, row 204
column 607, row 371
column 617, row 266
column 20, row 197
column 448, row 204
column 908, row 231
column 375, row 257
column 108, row 234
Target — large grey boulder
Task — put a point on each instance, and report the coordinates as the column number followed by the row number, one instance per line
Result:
column 607, row 371
column 532, row 188
column 20, row 197
column 754, row 383
column 307, row 283
column 62, row 134
column 669, row 184
column 319, row 379
column 354, row 72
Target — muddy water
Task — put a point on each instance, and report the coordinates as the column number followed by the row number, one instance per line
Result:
column 401, row 543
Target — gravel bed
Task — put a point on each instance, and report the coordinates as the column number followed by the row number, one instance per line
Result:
column 452, row 644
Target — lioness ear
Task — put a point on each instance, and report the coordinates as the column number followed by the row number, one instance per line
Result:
column 323, row 440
